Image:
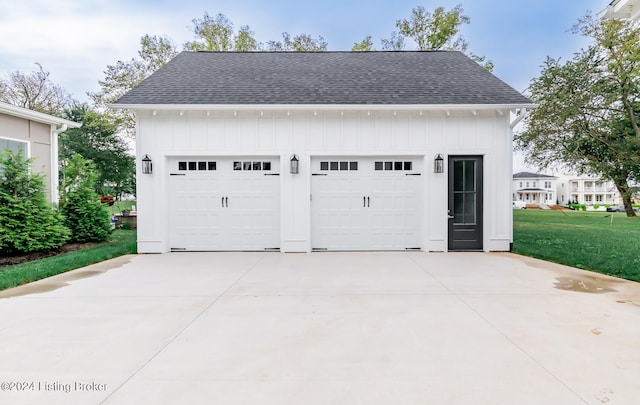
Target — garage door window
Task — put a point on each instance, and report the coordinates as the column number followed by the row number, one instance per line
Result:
column 393, row 166
column 196, row 165
column 252, row 165
column 338, row 165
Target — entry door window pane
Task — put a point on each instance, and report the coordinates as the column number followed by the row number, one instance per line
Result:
column 458, row 208
column 469, row 175
column 464, row 192
column 458, row 176
column 469, row 208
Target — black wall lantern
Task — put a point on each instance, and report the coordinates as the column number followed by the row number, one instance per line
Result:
column 294, row 164
column 147, row 166
column 438, row 164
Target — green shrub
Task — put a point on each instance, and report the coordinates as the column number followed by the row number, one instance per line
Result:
column 85, row 216
column 28, row 222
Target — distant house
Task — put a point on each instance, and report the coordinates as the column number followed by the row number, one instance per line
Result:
column 588, row 191
column 36, row 135
column 534, row 188
column 622, row 9
column 314, row 151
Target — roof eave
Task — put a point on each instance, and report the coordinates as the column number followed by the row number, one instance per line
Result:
column 31, row 115
column 323, row 107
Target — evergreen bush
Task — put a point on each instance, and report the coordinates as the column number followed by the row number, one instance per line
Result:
column 85, row 216
column 28, row 222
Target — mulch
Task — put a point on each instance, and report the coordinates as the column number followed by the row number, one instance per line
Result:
column 23, row 258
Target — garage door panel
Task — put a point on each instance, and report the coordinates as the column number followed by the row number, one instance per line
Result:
column 375, row 206
column 234, row 206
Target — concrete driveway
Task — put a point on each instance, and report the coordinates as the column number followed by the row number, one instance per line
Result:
column 322, row 328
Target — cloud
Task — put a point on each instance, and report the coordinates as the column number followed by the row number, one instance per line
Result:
column 75, row 41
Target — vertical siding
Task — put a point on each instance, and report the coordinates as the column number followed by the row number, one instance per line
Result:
column 316, row 133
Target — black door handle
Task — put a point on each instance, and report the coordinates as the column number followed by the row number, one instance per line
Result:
column 364, row 201
column 226, row 201
column 368, row 202
column 222, row 202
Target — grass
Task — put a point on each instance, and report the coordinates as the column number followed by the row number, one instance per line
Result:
column 118, row 206
column 121, row 243
column 604, row 242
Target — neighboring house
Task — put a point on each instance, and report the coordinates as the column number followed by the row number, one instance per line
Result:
column 36, row 135
column 587, row 190
column 622, row 9
column 534, row 188
column 297, row 152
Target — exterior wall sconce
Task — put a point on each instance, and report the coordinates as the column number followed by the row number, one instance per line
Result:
column 294, row 164
column 147, row 165
column 438, row 164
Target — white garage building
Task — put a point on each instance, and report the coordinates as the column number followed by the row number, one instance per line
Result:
column 298, row 152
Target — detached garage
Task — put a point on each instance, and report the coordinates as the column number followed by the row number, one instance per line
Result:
column 301, row 152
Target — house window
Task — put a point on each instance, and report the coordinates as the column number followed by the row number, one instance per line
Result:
column 527, row 184
column 599, row 198
column 588, row 198
column 14, row 146
column 520, row 184
column 547, row 184
column 534, row 184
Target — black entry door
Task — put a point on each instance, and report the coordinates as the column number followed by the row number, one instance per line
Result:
column 465, row 202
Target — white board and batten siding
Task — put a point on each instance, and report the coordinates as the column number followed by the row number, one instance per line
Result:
column 406, row 209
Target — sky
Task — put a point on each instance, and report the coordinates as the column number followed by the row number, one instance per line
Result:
column 75, row 40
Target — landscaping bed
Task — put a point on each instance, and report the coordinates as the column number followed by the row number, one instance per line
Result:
column 27, row 257
column 36, row 266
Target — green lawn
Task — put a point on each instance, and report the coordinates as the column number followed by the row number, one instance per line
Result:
column 118, row 206
column 605, row 242
column 121, row 243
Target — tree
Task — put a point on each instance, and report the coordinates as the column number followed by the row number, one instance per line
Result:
column 84, row 215
column 28, row 222
column 439, row 30
column 299, row 43
column 366, row 45
column 434, row 31
column 394, row 43
column 216, row 34
column 34, row 91
column 588, row 108
column 97, row 140
column 123, row 76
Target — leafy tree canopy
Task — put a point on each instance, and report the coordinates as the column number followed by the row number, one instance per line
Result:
column 216, row 34
column 365, row 45
column 123, row 76
column 97, row 141
column 299, row 43
column 589, row 106
column 432, row 31
column 437, row 30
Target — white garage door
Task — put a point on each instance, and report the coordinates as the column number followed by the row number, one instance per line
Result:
column 366, row 203
column 224, row 203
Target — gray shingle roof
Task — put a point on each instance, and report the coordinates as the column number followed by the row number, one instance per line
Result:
column 436, row 77
column 529, row 175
